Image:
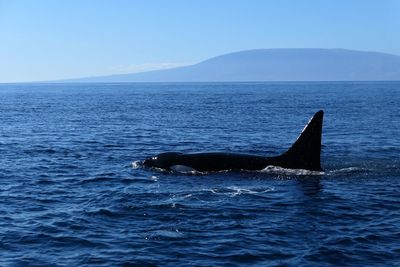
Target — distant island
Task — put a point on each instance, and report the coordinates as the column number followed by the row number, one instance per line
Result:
column 302, row 64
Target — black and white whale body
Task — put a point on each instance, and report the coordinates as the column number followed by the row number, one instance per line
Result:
column 304, row 154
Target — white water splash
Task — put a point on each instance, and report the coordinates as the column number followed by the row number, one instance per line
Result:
column 233, row 191
column 297, row 172
column 243, row 191
column 349, row 170
column 154, row 178
column 136, row 164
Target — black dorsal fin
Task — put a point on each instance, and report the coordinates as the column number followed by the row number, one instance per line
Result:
column 305, row 153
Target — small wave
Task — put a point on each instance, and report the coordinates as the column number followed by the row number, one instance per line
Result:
column 136, row 180
column 45, row 182
column 237, row 191
column 178, row 198
column 112, row 146
column 96, row 179
column 104, row 212
column 154, row 178
column 349, row 170
column 297, row 172
column 165, row 234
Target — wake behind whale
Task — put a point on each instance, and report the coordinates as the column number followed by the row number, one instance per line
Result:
column 303, row 154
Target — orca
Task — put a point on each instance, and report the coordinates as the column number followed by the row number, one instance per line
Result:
column 303, row 154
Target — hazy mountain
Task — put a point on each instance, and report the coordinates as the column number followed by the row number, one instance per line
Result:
column 276, row 65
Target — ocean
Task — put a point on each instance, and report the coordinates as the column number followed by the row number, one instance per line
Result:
column 73, row 193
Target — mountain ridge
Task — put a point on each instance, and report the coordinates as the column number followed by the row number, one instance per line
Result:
column 276, row 64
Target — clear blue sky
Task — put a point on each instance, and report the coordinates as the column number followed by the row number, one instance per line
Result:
column 48, row 39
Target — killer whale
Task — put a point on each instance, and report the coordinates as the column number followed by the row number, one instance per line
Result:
column 303, row 154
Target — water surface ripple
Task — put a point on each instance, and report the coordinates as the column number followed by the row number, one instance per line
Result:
column 69, row 195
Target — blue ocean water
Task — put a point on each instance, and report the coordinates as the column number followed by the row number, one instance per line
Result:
column 72, row 193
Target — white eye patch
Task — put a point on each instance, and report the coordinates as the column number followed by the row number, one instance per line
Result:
column 182, row 168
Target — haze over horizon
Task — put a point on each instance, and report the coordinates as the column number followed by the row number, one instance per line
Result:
column 50, row 40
